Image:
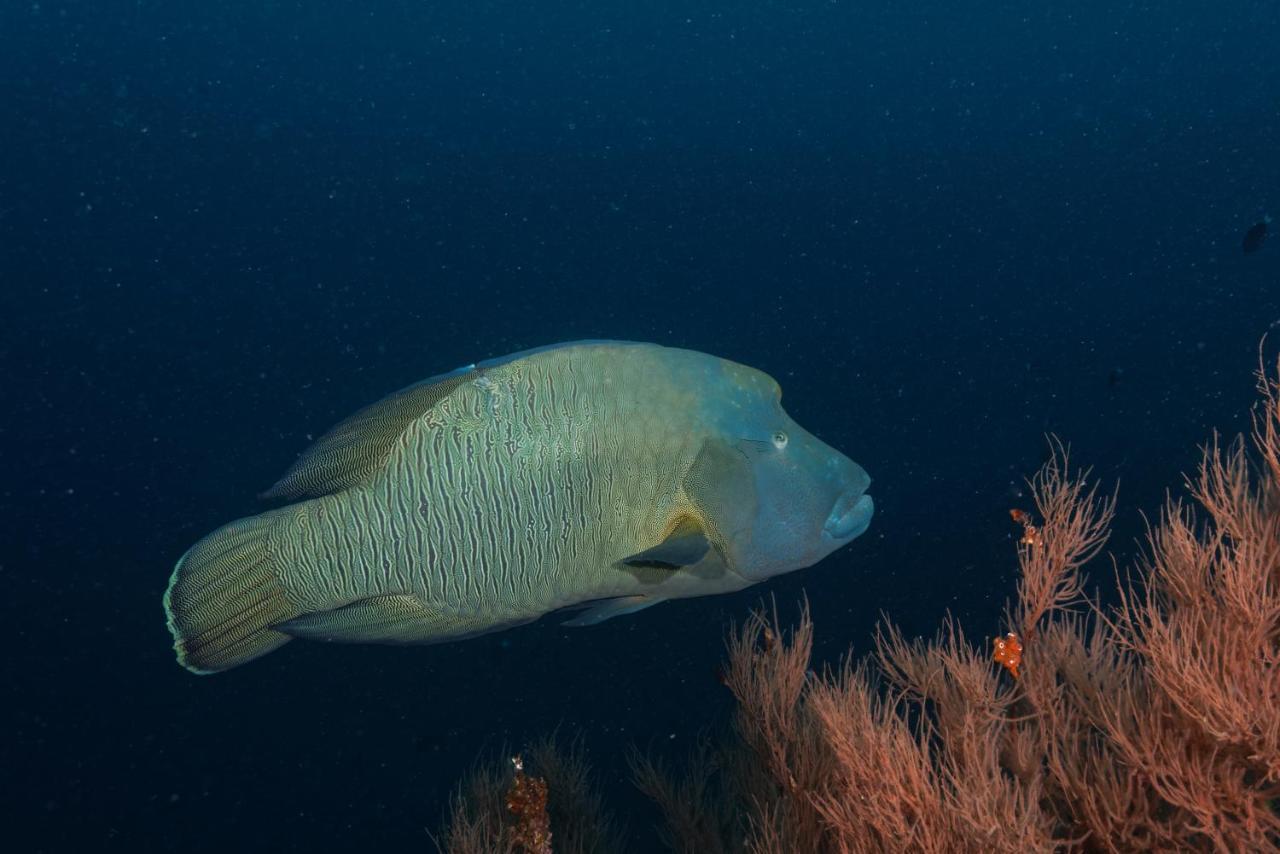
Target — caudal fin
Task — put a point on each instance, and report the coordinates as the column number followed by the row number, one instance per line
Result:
column 224, row 596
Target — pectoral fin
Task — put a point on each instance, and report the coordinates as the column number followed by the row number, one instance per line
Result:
column 684, row 546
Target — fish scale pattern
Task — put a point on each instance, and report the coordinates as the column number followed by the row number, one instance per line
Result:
column 511, row 496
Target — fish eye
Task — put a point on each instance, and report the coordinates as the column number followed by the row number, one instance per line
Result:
column 779, row 440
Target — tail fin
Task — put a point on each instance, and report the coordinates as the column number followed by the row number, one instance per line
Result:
column 224, row 596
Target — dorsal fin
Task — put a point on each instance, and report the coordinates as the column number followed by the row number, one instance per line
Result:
column 350, row 452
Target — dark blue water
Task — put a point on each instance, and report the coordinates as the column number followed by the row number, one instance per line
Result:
column 946, row 228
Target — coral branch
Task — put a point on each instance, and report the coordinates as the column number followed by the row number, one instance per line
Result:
column 1075, row 528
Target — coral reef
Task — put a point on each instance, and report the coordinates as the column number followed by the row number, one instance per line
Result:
column 1149, row 724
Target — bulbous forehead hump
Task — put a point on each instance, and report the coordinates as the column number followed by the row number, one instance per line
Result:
column 753, row 382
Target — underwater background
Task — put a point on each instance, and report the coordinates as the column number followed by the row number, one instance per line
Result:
column 948, row 229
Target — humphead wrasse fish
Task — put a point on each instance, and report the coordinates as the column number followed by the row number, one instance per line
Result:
column 603, row 477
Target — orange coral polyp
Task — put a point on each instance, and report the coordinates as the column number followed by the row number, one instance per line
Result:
column 1030, row 533
column 1008, row 653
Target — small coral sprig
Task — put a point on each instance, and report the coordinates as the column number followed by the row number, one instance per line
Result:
column 527, row 803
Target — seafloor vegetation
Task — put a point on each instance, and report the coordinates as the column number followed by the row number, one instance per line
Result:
column 1149, row 724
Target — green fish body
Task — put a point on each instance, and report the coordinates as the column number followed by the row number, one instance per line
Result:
column 605, row 476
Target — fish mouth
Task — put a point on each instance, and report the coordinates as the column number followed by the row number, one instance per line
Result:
column 850, row 517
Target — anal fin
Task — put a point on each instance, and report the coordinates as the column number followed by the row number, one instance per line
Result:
column 605, row 609
column 394, row 618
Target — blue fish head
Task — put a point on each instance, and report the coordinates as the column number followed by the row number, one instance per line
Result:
column 810, row 500
column 795, row 498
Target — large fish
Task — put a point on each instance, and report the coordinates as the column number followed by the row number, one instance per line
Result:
column 603, row 476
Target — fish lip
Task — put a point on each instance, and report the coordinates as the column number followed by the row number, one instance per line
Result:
column 850, row 517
